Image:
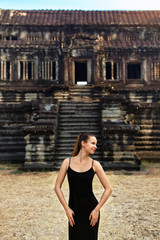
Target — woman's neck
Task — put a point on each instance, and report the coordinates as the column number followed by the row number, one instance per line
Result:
column 82, row 156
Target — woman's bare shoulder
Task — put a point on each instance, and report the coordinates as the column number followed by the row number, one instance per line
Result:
column 65, row 163
column 97, row 166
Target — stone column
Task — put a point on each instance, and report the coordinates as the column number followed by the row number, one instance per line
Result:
column 66, row 69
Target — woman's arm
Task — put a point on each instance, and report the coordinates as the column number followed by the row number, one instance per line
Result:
column 107, row 192
column 57, row 188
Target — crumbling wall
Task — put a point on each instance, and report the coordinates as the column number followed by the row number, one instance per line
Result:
column 118, row 131
column 130, row 127
column 37, row 71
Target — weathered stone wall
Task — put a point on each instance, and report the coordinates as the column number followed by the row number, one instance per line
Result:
column 37, row 70
column 131, row 126
column 40, row 135
column 28, row 127
column 119, row 131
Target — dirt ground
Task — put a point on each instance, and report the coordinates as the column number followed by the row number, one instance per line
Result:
column 30, row 210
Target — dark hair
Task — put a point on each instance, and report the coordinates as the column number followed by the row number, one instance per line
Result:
column 81, row 137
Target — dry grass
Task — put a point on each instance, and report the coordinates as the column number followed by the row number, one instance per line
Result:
column 30, row 210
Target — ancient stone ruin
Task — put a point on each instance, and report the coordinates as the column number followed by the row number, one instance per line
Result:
column 67, row 72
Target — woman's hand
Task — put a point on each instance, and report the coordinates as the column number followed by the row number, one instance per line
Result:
column 70, row 213
column 94, row 217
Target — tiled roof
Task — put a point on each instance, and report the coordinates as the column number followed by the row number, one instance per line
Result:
column 132, row 44
column 115, row 44
column 62, row 17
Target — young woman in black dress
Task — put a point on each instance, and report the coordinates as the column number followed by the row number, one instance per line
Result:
column 83, row 210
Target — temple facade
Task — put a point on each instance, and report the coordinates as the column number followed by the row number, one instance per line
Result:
column 67, row 72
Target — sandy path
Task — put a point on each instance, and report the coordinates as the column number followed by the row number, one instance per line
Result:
column 30, row 210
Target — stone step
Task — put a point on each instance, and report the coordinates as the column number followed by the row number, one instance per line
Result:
column 78, row 111
column 83, row 124
column 70, row 147
column 75, row 131
column 78, row 108
column 149, row 148
column 149, row 155
column 80, row 93
column 80, row 129
column 72, row 139
column 73, row 136
column 147, row 143
column 149, row 126
column 79, row 119
column 79, row 104
column 76, row 118
column 79, row 116
column 148, row 132
column 60, row 159
column 147, row 138
column 70, row 151
column 10, row 139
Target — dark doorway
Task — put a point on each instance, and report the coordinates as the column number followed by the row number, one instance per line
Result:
column 80, row 71
column 134, row 70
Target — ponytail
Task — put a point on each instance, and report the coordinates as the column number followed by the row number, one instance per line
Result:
column 81, row 137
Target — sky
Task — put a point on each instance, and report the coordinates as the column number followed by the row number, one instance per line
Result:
column 81, row 4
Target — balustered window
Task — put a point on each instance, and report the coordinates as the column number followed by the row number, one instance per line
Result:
column 155, row 70
column 5, row 70
column 113, row 70
column 49, row 70
column 26, row 70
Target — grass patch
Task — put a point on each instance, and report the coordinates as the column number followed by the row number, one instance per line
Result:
column 145, row 164
column 127, row 173
column 17, row 171
column 12, row 168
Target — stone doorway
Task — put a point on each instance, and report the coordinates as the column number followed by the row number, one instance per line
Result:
column 81, row 70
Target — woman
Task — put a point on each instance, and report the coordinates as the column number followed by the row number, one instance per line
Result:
column 83, row 211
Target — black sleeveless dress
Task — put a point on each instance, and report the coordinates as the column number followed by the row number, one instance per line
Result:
column 82, row 201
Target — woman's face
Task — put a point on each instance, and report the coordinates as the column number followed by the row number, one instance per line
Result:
column 91, row 145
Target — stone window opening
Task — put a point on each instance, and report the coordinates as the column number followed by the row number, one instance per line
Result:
column 152, row 38
column 14, row 38
column 8, row 38
column 26, row 70
column 53, row 38
column 130, row 38
column 109, row 37
column 112, row 70
column 5, row 70
column 155, row 70
column 34, row 36
column 134, row 71
column 49, row 69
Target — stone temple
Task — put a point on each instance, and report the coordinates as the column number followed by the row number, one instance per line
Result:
column 67, row 72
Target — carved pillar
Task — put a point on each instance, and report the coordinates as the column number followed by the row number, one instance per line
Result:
column 51, row 76
column 48, row 67
column 32, row 70
column 26, row 70
column 4, row 68
column 66, row 69
column 24, row 67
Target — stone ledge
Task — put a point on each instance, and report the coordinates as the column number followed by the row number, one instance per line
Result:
column 110, row 127
column 120, row 166
column 37, row 166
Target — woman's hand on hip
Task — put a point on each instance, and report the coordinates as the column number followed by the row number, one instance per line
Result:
column 70, row 213
column 93, row 217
